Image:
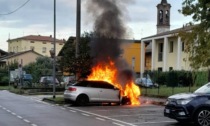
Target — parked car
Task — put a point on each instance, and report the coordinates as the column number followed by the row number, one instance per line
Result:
column 145, row 82
column 84, row 92
column 48, row 80
column 191, row 107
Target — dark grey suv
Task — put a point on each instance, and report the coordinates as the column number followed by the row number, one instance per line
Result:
column 192, row 107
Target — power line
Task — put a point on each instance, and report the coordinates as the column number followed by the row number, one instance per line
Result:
column 16, row 8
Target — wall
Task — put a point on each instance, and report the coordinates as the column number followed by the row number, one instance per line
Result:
column 24, row 45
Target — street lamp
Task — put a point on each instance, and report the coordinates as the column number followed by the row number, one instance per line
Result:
column 78, row 27
column 54, row 49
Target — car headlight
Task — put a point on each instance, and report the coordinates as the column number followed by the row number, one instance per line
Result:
column 183, row 101
column 167, row 101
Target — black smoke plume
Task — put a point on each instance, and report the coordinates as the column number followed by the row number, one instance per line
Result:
column 109, row 30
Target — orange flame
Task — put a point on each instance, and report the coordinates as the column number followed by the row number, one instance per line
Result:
column 108, row 73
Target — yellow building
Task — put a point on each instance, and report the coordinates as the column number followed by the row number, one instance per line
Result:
column 38, row 43
column 131, row 52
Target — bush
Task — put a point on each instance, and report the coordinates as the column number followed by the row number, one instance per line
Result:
column 179, row 78
column 201, row 77
column 4, row 81
column 172, row 79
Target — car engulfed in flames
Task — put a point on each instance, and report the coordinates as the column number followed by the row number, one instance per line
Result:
column 109, row 73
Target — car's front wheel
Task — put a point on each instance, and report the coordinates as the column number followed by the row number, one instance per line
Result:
column 82, row 100
column 203, row 117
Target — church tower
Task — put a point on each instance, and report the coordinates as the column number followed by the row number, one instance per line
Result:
column 163, row 16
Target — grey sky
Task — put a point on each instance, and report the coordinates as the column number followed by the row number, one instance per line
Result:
column 36, row 17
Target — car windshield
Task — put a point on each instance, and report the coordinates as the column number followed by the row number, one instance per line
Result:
column 203, row 89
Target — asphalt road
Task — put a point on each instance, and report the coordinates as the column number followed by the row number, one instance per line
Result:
column 17, row 110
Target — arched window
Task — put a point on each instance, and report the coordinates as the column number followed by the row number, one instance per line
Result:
column 161, row 16
column 167, row 16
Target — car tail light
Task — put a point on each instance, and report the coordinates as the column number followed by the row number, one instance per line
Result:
column 72, row 89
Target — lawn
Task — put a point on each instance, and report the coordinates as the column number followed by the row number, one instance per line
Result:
column 164, row 91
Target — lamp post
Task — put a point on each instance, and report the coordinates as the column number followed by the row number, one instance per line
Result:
column 54, row 49
column 78, row 24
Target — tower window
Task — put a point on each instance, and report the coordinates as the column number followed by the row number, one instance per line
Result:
column 161, row 16
column 167, row 16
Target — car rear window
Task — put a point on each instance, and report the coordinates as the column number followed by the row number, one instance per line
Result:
column 81, row 84
column 94, row 84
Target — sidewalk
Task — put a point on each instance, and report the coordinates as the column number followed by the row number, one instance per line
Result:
column 143, row 99
column 152, row 100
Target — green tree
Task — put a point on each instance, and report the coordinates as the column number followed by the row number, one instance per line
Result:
column 197, row 40
column 4, row 75
column 42, row 66
column 69, row 63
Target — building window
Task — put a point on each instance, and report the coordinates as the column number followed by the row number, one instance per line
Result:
column 171, row 48
column 182, row 46
column 60, row 43
column 17, row 49
column 160, row 50
column 44, row 42
column 32, row 41
column 160, row 69
column 170, row 68
column 13, row 49
column 32, row 48
column 44, row 49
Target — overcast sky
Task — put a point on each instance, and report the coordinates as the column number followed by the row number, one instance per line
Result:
column 36, row 18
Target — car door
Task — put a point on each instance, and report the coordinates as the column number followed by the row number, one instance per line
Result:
column 108, row 93
column 93, row 91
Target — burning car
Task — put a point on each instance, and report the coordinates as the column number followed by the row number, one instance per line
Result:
column 84, row 92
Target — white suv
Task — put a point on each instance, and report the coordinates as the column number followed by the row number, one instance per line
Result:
column 84, row 92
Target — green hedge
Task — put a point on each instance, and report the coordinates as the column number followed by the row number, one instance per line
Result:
column 179, row 78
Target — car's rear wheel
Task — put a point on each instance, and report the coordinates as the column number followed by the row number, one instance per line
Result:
column 202, row 117
column 82, row 100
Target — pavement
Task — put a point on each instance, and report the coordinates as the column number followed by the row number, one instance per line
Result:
column 143, row 99
column 152, row 100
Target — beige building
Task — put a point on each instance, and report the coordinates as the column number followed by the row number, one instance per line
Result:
column 167, row 52
column 167, row 47
column 38, row 43
column 23, row 58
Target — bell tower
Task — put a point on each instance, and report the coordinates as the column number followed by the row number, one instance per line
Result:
column 163, row 16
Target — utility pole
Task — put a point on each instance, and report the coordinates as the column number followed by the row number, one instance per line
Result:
column 78, row 24
column 54, row 49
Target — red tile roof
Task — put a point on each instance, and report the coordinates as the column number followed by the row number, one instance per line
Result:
column 38, row 38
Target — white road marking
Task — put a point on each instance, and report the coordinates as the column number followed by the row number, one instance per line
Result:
column 63, row 108
column 26, row 120
column 8, row 111
column 118, row 124
column 85, row 114
column 4, row 108
column 156, row 122
column 136, row 115
column 19, row 117
column 103, row 117
column 72, row 111
column 33, row 125
column 13, row 113
column 100, row 119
